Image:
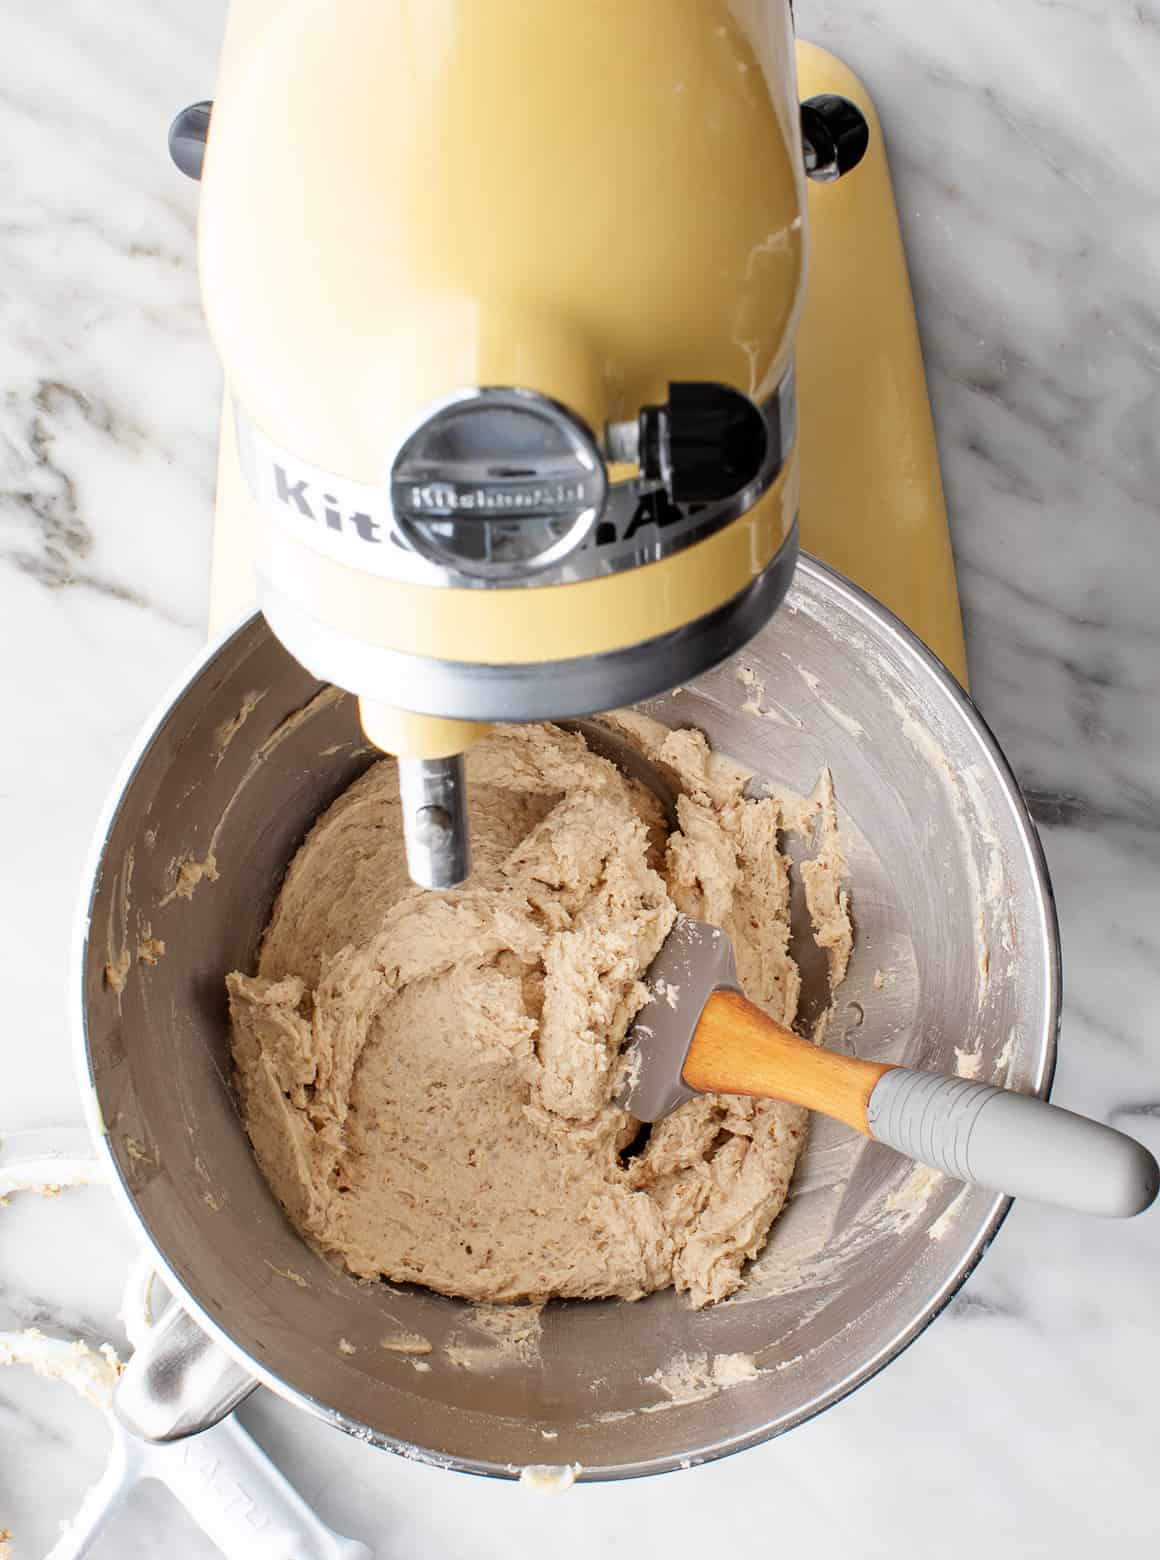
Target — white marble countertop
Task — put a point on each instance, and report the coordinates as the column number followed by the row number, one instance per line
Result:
column 1021, row 139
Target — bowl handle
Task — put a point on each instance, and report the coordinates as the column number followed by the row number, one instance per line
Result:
column 179, row 1382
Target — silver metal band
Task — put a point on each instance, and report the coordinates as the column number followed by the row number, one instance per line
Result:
column 354, row 523
column 538, row 690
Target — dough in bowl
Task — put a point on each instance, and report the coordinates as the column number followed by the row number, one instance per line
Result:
column 427, row 1078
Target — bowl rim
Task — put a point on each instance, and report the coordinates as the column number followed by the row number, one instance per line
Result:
column 905, row 644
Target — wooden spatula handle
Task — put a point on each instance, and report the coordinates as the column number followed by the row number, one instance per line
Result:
column 738, row 1049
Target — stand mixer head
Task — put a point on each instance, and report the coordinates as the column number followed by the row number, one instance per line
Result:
column 506, row 300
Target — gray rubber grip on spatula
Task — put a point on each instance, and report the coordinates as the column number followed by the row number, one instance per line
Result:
column 1012, row 1143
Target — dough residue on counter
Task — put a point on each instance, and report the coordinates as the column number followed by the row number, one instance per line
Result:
column 427, row 1078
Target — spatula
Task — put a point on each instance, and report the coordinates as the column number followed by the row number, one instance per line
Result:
column 701, row 1035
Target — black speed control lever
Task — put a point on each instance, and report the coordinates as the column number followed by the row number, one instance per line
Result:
column 707, row 443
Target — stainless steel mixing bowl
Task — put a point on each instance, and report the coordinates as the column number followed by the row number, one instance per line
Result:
column 956, row 965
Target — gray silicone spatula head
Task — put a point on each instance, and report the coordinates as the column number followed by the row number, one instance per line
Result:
column 695, row 961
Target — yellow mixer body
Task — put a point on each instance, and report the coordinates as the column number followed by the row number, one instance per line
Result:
column 405, row 196
column 408, row 203
column 591, row 201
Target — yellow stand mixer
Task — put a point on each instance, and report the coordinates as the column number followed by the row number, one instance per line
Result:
column 529, row 368
column 512, row 304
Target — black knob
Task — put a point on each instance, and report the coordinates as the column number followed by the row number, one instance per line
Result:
column 187, row 137
column 707, row 444
column 835, row 136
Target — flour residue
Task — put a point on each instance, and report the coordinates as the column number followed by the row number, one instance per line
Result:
column 690, row 1378
column 117, row 972
column 966, row 821
column 1007, row 1055
column 119, row 959
column 229, row 729
column 289, row 1274
column 497, row 1336
column 828, row 1235
column 150, row 949
column 996, row 894
column 140, row 1153
column 749, row 679
column 824, row 878
column 949, row 1215
column 848, row 724
column 755, row 703
column 910, row 1199
column 666, row 991
column 189, row 871
column 407, row 1343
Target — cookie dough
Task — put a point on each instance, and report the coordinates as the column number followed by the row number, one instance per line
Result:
column 427, row 1077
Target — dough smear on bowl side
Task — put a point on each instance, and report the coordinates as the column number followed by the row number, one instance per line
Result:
column 427, row 1077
